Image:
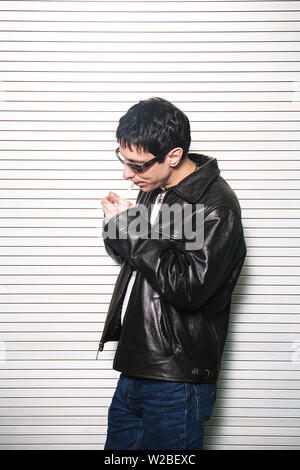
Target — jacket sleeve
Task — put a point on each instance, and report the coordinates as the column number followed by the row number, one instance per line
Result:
column 109, row 249
column 118, row 259
column 185, row 278
column 113, row 254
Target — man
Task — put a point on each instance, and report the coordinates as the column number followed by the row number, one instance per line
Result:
column 170, row 306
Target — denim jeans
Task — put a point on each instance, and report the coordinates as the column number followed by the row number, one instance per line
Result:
column 157, row 415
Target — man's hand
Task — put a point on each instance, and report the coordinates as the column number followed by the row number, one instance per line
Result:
column 113, row 205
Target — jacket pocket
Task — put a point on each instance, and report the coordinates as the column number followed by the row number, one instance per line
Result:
column 163, row 326
column 215, row 336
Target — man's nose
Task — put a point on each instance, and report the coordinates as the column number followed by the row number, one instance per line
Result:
column 128, row 173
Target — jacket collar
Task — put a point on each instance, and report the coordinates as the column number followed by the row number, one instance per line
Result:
column 194, row 185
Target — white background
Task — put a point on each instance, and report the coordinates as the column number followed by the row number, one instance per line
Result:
column 69, row 70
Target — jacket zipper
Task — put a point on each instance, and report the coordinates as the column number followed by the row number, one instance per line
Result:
column 124, row 320
column 113, row 319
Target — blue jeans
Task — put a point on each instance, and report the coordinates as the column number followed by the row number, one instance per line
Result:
column 157, row 415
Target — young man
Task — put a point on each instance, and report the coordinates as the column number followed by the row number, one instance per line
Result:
column 181, row 250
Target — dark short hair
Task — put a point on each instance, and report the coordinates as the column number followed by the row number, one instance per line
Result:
column 154, row 125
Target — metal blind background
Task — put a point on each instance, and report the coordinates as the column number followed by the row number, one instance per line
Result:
column 68, row 71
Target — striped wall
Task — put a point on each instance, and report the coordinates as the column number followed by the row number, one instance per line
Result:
column 68, row 71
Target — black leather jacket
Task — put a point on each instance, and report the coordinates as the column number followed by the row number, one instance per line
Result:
column 176, row 320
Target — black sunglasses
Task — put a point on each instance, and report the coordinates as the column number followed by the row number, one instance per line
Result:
column 136, row 167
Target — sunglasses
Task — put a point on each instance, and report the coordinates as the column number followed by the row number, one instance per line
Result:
column 136, row 167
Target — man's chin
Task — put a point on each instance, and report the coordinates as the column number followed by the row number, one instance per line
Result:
column 146, row 187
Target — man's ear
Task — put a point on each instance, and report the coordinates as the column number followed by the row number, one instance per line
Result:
column 174, row 157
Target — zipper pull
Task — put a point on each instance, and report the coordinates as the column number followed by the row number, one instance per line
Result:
column 100, row 348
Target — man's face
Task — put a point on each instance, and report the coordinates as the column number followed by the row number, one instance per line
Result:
column 153, row 177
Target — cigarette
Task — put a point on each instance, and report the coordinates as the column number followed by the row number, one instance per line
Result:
column 128, row 191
